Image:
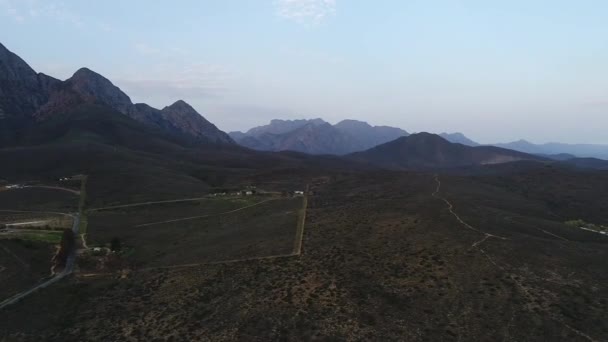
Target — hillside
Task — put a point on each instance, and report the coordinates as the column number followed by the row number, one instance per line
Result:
column 316, row 136
column 28, row 96
column 458, row 138
column 428, row 151
column 578, row 150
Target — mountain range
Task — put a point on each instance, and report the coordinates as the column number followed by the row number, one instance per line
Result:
column 86, row 116
column 27, row 96
column 428, row 151
column 316, row 136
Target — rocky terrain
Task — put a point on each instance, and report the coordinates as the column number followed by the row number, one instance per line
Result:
column 428, row 151
column 26, row 96
column 316, row 136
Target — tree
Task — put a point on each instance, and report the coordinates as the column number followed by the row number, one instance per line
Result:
column 115, row 244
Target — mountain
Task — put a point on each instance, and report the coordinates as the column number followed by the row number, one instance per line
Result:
column 282, row 126
column 458, row 138
column 578, row 150
column 22, row 90
column 311, row 138
column 368, row 135
column 26, row 96
column 185, row 119
column 316, row 136
column 430, row 151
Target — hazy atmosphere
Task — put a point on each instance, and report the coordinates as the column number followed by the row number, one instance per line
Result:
column 303, row 170
column 497, row 72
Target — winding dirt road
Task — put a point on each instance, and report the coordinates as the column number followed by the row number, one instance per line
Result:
column 486, row 236
column 462, row 222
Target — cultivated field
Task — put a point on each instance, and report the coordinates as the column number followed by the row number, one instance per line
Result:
column 38, row 199
column 23, row 263
column 198, row 231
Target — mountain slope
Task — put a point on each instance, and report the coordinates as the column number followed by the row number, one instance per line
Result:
column 26, row 96
column 428, row 151
column 311, row 138
column 316, row 136
column 368, row 135
column 282, row 126
column 458, row 138
column 579, row 150
column 189, row 121
column 22, row 90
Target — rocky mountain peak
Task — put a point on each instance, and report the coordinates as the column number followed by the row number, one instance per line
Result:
column 93, row 86
column 181, row 107
column 22, row 90
column 353, row 124
column 13, row 68
column 187, row 119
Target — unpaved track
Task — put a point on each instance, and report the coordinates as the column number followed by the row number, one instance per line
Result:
column 149, row 203
column 220, row 262
column 75, row 192
column 34, row 211
column 466, row 225
column 297, row 245
column 493, row 262
column 49, row 187
column 204, row 216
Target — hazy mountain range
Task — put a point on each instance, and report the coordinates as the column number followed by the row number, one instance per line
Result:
column 88, row 110
column 316, row 136
column 426, row 150
column 27, row 97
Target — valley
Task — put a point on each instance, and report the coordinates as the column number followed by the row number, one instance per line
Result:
column 384, row 255
column 123, row 222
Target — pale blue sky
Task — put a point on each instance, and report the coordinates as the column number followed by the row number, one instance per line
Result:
column 494, row 70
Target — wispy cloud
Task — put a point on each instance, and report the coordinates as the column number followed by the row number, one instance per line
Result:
column 25, row 10
column 306, row 11
column 145, row 49
column 9, row 9
column 174, row 73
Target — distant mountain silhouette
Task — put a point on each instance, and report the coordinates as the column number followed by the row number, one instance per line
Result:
column 368, row 135
column 282, row 126
column 429, row 151
column 458, row 138
column 587, row 163
column 578, row 150
column 27, row 96
column 316, row 136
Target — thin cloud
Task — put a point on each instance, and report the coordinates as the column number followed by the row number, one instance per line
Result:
column 146, row 50
column 22, row 11
column 163, row 83
column 306, row 11
column 10, row 10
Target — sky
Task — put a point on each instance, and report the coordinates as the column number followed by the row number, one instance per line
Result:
column 494, row 70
